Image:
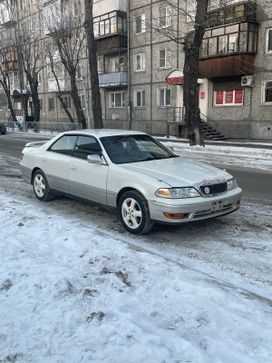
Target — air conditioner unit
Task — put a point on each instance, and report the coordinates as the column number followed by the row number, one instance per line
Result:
column 247, row 81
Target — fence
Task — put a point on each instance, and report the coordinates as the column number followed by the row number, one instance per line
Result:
column 51, row 126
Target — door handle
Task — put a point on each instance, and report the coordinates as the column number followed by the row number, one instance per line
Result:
column 73, row 168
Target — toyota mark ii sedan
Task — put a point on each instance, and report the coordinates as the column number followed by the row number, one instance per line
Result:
column 131, row 171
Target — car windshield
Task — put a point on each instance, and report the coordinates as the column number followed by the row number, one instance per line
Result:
column 134, row 148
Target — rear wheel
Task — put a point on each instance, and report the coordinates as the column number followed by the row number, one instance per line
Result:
column 40, row 187
column 134, row 213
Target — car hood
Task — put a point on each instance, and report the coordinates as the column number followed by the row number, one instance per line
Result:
column 180, row 172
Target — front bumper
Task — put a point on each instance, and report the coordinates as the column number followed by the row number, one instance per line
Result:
column 195, row 209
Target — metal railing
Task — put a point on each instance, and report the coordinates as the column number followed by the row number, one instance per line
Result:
column 50, row 126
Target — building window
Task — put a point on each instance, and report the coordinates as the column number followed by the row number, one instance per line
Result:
column 51, row 104
column 267, row 92
column 67, row 102
column 229, row 97
column 164, row 97
column 140, row 98
column 140, row 62
column 165, row 16
column 79, row 73
column 268, row 45
column 140, row 24
column 164, row 58
column 117, row 99
column 82, row 101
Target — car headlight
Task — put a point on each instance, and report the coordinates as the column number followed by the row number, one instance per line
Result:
column 232, row 184
column 177, row 193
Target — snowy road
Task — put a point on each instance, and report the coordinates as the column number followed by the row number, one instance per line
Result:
column 75, row 287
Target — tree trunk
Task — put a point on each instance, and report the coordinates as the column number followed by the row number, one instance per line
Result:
column 191, row 74
column 64, row 106
column 35, row 98
column 5, row 84
column 91, row 46
column 76, row 101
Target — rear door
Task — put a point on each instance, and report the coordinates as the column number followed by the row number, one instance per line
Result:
column 87, row 180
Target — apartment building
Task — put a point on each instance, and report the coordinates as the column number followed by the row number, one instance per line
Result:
column 140, row 62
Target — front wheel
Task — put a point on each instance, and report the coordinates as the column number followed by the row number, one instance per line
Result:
column 134, row 213
column 40, row 187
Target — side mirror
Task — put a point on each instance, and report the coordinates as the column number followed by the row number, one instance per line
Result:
column 95, row 159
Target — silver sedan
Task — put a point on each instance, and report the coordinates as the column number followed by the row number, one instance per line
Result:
column 131, row 171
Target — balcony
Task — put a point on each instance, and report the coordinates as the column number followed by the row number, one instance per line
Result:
column 239, row 12
column 110, row 32
column 64, row 84
column 116, row 79
column 228, row 50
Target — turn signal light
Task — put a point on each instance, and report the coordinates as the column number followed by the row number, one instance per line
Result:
column 175, row 215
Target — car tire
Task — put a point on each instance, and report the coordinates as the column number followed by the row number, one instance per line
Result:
column 134, row 213
column 3, row 129
column 41, row 187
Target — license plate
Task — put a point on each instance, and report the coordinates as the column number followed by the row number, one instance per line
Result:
column 216, row 206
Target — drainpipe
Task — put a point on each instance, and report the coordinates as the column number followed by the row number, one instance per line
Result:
column 129, row 110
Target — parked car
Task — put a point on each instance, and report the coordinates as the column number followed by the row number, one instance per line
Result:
column 3, row 129
column 131, row 171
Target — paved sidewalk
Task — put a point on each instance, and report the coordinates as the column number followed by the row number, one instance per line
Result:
column 263, row 144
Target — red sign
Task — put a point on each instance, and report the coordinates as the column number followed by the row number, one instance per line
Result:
column 202, row 95
column 174, row 80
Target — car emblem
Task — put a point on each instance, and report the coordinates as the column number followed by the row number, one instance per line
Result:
column 207, row 190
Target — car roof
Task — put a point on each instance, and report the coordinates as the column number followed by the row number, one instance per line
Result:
column 103, row 132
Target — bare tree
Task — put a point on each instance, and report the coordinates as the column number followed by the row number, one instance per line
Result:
column 69, row 41
column 192, row 45
column 92, row 59
column 59, row 90
column 8, row 56
column 31, row 55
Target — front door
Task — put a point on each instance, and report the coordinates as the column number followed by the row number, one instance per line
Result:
column 86, row 180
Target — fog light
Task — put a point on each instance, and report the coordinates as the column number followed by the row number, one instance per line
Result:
column 238, row 202
column 175, row 215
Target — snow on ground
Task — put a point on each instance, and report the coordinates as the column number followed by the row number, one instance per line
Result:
column 74, row 293
column 75, row 287
column 249, row 157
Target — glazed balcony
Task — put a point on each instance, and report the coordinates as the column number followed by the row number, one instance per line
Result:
column 228, row 50
column 64, row 84
column 243, row 11
column 110, row 32
column 115, row 79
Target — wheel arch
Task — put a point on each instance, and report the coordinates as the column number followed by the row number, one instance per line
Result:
column 128, row 189
column 33, row 172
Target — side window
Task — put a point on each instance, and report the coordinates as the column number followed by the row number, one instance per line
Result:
column 64, row 145
column 85, row 146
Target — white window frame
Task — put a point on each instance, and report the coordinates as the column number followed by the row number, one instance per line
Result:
column 268, row 31
column 142, row 22
column 225, row 104
column 143, row 98
column 263, row 93
column 142, row 62
column 168, row 16
column 112, row 102
column 165, row 90
column 167, row 58
column 82, row 99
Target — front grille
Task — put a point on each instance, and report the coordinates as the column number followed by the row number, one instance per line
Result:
column 212, row 189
